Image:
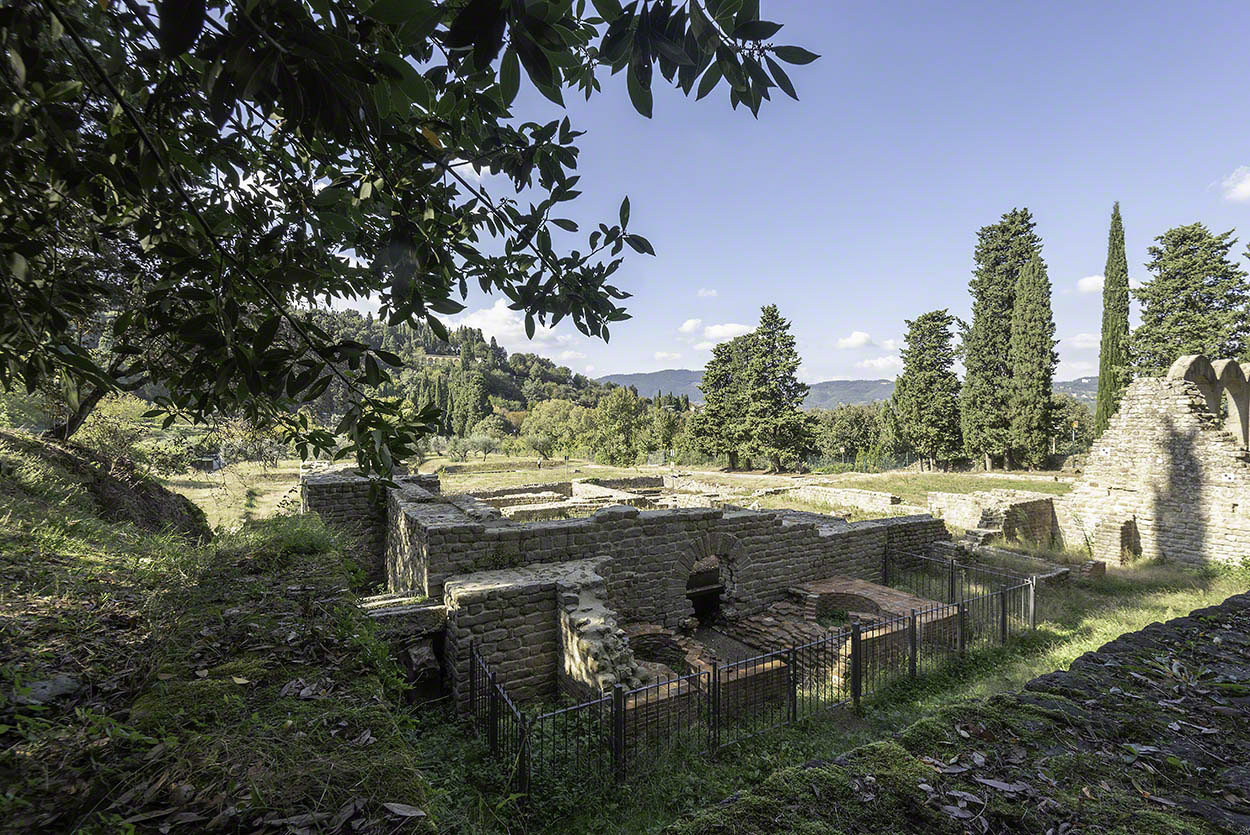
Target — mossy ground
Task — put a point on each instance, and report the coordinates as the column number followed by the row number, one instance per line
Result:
column 232, row 686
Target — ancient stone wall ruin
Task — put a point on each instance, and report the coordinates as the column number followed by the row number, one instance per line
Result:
column 1170, row 478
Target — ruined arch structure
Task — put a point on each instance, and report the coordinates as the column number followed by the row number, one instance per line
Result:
column 1170, row 478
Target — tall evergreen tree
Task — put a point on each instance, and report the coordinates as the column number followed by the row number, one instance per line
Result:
column 1196, row 302
column 778, row 428
column 926, row 395
column 1033, row 359
column 1002, row 251
column 1112, row 353
column 720, row 427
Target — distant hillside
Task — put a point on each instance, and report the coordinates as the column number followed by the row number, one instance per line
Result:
column 1084, row 389
column 824, row 395
column 677, row 381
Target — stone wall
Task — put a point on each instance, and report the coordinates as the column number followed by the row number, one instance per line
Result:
column 1169, row 478
column 652, row 552
column 345, row 499
column 873, row 501
column 1018, row 514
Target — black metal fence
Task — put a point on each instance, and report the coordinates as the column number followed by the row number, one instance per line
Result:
column 628, row 730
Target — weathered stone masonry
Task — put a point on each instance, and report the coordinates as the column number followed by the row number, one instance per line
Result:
column 1170, row 478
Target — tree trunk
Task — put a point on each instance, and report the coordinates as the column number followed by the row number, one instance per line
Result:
column 989, row 462
column 733, row 460
column 65, row 430
column 776, row 463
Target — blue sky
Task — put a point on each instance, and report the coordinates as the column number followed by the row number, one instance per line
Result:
column 857, row 207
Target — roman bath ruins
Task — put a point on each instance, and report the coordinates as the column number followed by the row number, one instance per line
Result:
column 574, row 587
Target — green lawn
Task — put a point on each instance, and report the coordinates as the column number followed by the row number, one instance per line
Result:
column 913, row 488
column 240, row 492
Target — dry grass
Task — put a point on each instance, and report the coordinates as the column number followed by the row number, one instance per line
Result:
column 239, row 492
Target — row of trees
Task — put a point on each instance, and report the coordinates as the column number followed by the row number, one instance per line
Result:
column 1196, row 301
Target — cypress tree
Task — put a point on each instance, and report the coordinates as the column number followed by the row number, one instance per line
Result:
column 1002, row 251
column 925, row 402
column 1112, row 354
column 1196, row 301
column 777, row 426
column 1033, row 359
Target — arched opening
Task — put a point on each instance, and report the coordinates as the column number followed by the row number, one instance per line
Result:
column 1236, row 399
column 704, row 590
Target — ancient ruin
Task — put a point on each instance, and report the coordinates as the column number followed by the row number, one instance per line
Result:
column 573, row 588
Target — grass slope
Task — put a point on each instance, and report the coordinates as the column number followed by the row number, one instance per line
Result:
column 149, row 682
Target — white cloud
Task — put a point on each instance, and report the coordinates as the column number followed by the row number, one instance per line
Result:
column 571, row 355
column 890, row 363
column 1133, row 283
column 1237, row 185
column 666, row 355
column 1090, row 284
column 891, row 344
column 690, row 326
column 728, row 330
column 589, row 368
column 1078, row 368
column 706, row 293
column 704, row 346
column 1084, row 341
column 508, row 327
column 857, row 339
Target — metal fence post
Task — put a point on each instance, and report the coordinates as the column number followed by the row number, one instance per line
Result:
column 715, row 679
column 912, row 644
column 523, row 760
column 951, row 581
column 792, row 668
column 492, row 722
column 857, row 672
column 618, row 731
column 473, row 685
column 1032, row 602
column 959, row 627
column 1002, row 615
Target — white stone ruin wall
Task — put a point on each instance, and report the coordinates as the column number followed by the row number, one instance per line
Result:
column 1170, row 478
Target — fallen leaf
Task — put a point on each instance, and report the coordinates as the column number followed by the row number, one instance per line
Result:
column 201, row 673
column 404, row 810
column 239, row 680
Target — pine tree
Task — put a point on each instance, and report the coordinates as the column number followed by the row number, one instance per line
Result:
column 925, row 403
column 1112, row 354
column 777, row 427
column 1002, row 251
column 1195, row 303
column 1033, row 359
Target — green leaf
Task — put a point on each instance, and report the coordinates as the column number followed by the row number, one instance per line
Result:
column 181, row 22
column 710, row 79
column 529, row 325
column 265, row 334
column 780, row 77
column 625, row 212
column 639, row 244
column 756, row 30
column 565, row 224
column 396, row 12
column 509, row 76
column 639, row 92
column 609, row 10
column 795, row 55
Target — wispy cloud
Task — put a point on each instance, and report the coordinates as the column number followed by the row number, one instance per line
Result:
column 891, row 344
column 1236, row 186
column 890, row 363
column 571, row 355
column 665, row 356
column 706, row 293
column 1089, row 284
column 690, row 326
column 727, row 330
column 1084, row 341
column 857, row 339
column 508, row 327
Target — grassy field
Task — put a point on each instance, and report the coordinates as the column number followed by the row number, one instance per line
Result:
column 1074, row 620
column 240, row 492
column 913, row 488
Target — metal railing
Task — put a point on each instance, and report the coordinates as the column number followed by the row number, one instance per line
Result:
column 626, row 731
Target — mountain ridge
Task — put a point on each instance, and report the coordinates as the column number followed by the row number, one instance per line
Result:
column 822, row 395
